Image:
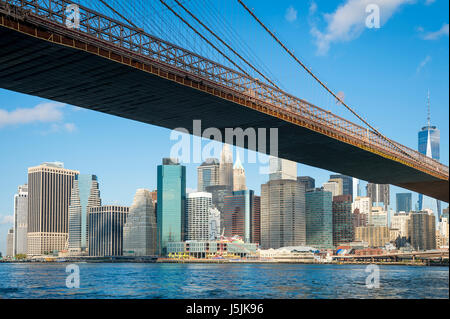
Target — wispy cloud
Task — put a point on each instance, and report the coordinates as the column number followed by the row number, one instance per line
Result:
column 6, row 220
column 60, row 127
column 291, row 14
column 44, row 113
column 442, row 32
column 429, row 2
column 348, row 21
column 423, row 63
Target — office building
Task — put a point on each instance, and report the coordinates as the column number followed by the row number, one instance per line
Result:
column 281, row 169
column 239, row 181
column 309, row 182
column 226, row 167
column 283, row 219
column 105, row 230
column 85, row 194
column 400, row 221
column 374, row 236
column 359, row 220
column 404, row 202
column 319, row 219
column 378, row 217
column 347, row 183
column 139, row 231
column 219, row 192
column 208, row 174
column 171, row 213
column 379, row 194
column 241, row 216
column 198, row 207
column 214, row 227
column 363, row 204
column 334, row 187
column 20, row 221
column 422, row 230
column 49, row 189
column 10, row 243
column 343, row 231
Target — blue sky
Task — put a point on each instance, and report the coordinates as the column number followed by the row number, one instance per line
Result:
column 384, row 73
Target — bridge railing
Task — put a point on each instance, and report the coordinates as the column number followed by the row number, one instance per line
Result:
column 140, row 43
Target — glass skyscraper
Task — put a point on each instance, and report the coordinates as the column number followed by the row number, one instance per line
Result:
column 171, row 210
column 319, row 219
column 429, row 145
column 85, row 194
column 404, row 202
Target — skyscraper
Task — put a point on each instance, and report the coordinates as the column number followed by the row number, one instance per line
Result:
column 198, row 207
column 379, row 193
column 226, row 166
column 319, row 219
column 106, row 230
column 10, row 243
column 139, row 231
column 404, row 202
column 219, row 192
column 283, row 220
column 171, row 210
column 281, row 169
column 347, row 183
column 422, row 230
column 49, row 188
column 241, row 215
column 20, row 220
column 239, row 182
column 429, row 145
column 85, row 194
column 309, row 182
column 208, row 174
column 333, row 187
column 342, row 220
column 214, row 227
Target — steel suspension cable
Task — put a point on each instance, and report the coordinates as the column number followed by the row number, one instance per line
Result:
column 317, row 79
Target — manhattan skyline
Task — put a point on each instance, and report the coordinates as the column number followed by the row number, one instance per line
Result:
column 124, row 154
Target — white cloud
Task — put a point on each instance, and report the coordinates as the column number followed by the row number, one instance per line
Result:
column 6, row 220
column 45, row 113
column 312, row 8
column 437, row 34
column 348, row 21
column 423, row 63
column 291, row 14
column 60, row 127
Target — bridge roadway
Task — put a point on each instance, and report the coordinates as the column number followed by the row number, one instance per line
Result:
column 43, row 58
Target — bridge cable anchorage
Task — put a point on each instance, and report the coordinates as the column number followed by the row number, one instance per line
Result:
column 224, row 43
column 206, row 40
column 394, row 144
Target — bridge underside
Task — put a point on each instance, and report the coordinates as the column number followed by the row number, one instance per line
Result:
column 61, row 73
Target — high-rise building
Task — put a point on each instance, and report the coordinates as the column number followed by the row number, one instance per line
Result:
column 359, row 220
column 343, row 231
column 333, row 187
column 442, row 233
column 363, row 204
column 422, row 230
column 400, row 221
column 85, row 194
column 49, row 189
column 404, row 202
column 319, row 219
column 378, row 217
column 198, row 206
column 374, row 236
column 171, row 210
column 226, row 166
column 239, row 182
column 219, row 192
column 283, row 220
column 241, row 216
column 379, row 194
column 208, row 174
column 20, row 220
column 347, row 183
column 429, row 145
column 106, row 230
column 139, row 231
column 309, row 182
column 281, row 169
column 340, row 183
column 10, row 243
